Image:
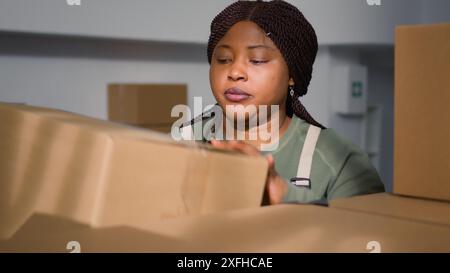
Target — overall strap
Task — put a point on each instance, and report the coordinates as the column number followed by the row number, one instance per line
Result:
column 306, row 157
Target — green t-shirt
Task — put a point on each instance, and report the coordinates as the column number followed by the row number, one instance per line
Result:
column 339, row 168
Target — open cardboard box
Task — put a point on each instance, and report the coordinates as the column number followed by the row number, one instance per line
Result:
column 104, row 174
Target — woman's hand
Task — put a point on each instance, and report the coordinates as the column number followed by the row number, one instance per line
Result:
column 276, row 187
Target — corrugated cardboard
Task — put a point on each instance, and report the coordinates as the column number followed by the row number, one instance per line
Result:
column 280, row 228
column 422, row 112
column 414, row 209
column 162, row 128
column 45, row 233
column 303, row 228
column 104, row 174
column 144, row 103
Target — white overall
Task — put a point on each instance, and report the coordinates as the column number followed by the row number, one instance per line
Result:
column 306, row 157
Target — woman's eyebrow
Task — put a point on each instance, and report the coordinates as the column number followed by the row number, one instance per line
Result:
column 259, row 46
column 248, row 47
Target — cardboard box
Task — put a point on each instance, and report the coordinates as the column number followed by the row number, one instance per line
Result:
column 145, row 103
column 104, row 174
column 408, row 208
column 422, row 114
column 280, row 228
column 304, row 228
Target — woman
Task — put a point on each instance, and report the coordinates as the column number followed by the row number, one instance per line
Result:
column 262, row 53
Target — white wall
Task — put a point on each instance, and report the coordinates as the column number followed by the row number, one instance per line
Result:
column 336, row 22
column 435, row 11
column 159, row 20
column 381, row 83
column 72, row 73
column 317, row 101
column 350, row 22
column 81, row 86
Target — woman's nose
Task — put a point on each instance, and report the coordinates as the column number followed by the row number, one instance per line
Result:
column 237, row 72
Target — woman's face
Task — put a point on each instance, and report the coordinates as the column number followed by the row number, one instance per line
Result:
column 248, row 69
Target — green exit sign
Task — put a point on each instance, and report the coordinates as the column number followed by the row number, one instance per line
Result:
column 357, row 88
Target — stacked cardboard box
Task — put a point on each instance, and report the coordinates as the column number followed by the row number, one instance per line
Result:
column 145, row 105
column 422, row 137
column 422, row 115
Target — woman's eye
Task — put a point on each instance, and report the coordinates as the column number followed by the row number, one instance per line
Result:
column 223, row 61
column 258, row 61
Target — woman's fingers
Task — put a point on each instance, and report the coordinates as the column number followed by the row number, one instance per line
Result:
column 275, row 185
column 244, row 148
column 220, row 144
column 238, row 146
column 271, row 161
column 216, row 143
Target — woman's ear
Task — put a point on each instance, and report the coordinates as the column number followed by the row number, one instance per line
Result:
column 291, row 81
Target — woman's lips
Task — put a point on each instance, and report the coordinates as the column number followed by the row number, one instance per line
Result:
column 236, row 95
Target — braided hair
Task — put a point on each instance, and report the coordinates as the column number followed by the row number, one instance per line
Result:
column 289, row 30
